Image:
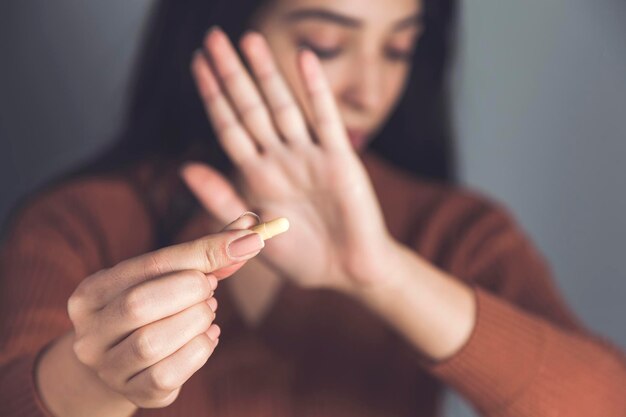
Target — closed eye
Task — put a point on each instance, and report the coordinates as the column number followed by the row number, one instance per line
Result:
column 398, row 54
column 394, row 54
column 322, row 53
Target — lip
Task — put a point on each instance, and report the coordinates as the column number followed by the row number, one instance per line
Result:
column 358, row 138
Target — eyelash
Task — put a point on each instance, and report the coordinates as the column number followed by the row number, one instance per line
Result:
column 327, row 54
column 399, row 55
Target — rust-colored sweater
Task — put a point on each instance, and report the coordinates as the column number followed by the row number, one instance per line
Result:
column 318, row 353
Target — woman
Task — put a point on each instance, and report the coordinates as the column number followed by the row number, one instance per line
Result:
column 386, row 288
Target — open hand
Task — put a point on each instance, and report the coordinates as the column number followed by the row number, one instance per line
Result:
column 287, row 166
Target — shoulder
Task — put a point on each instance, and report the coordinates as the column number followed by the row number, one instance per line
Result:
column 98, row 213
column 437, row 214
column 448, row 224
column 100, row 196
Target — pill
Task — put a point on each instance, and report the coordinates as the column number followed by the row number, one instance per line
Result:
column 272, row 228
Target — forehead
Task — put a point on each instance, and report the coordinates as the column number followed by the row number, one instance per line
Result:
column 370, row 12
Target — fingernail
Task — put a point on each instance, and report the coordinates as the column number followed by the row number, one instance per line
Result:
column 248, row 213
column 212, row 302
column 246, row 33
column 212, row 29
column 245, row 246
column 182, row 169
column 213, row 332
column 244, row 214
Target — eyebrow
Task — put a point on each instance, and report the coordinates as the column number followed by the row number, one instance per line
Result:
column 347, row 21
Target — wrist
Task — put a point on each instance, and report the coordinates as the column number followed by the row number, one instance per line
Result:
column 68, row 388
column 385, row 277
column 433, row 310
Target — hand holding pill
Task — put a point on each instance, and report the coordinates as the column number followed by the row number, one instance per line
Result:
column 127, row 319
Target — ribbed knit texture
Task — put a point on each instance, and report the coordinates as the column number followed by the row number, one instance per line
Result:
column 316, row 352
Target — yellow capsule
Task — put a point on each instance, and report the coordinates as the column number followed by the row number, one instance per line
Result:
column 272, row 228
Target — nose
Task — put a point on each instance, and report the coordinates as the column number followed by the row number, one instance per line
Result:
column 362, row 89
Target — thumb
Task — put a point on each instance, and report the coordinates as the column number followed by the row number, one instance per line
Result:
column 216, row 194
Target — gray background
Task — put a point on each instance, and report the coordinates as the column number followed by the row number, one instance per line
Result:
column 540, row 110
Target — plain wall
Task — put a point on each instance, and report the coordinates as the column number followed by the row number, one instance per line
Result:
column 63, row 76
column 541, row 118
column 540, row 89
column 540, row 113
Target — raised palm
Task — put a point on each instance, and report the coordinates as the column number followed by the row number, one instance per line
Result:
column 284, row 168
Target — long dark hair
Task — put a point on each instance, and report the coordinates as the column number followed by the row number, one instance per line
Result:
column 165, row 117
column 165, row 121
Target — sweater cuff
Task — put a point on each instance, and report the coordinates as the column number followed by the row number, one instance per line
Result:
column 500, row 358
column 20, row 396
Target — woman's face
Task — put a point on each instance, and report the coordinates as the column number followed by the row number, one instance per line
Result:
column 365, row 47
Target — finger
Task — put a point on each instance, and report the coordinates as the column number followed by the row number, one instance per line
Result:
column 216, row 194
column 149, row 302
column 232, row 136
column 151, row 343
column 172, row 372
column 285, row 111
column 244, row 221
column 208, row 254
column 220, row 199
column 327, row 120
column 241, row 90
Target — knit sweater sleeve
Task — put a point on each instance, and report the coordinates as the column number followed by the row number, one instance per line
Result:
column 528, row 355
column 55, row 241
